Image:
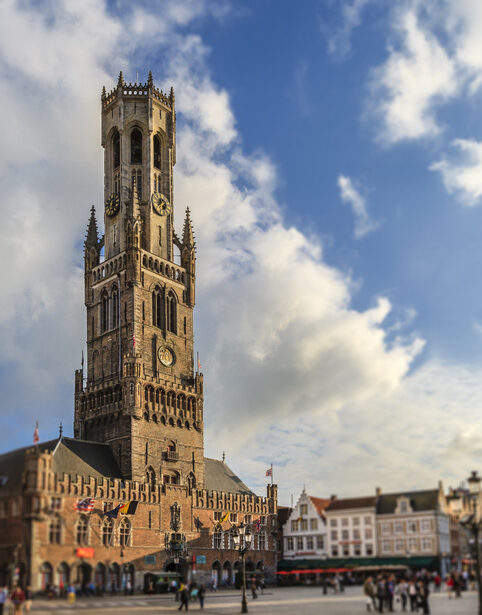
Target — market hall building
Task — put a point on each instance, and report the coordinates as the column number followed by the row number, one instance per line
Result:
column 139, row 414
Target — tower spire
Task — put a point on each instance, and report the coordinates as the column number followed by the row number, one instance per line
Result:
column 187, row 232
column 92, row 237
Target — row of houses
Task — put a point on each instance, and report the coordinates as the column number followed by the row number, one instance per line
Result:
column 419, row 529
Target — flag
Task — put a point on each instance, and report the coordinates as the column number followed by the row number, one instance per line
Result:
column 257, row 525
column 225, row 518
column 269, row 472
column 299, row 519
column 85, row 505
column 35, row 434
column 129, row 508
column 112, row 514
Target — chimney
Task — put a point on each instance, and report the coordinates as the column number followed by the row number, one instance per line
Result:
column 378, row 491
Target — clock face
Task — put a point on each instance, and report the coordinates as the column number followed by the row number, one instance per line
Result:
column 112, row 205
column 166, row 356
column 160, row 204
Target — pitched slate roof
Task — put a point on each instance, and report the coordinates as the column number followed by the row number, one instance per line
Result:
column 284, row 513
column 347, row 503
column 218, row 477
column 85, row 458
column 419, row 500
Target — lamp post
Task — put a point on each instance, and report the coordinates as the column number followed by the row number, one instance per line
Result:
column 473, row 523
column 242, row 538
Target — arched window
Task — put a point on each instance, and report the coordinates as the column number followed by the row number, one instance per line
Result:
column 104, row 312
column 151, row 477
column 157, row 152
column 107, row 530
column 172, row 313
column 136, row 146
column 115, row 150
column 157, row 311
column 191, row 482
column 82, row 530
column 55, row 531
column 124, row 533
column 115, row 307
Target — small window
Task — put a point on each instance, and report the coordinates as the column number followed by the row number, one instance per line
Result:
column 344, row 522
column 334, row 535
column 304, row 509
column 334, row 551
column 136, row 146
column 116, row 150
column 157, row 152
column 290, row 544
column 344, row 534
column 304, row 525
column 299, row 543
column 313, row 524
column 319, row 543
column 368, row 549
column 333, row 522
column 309, row 543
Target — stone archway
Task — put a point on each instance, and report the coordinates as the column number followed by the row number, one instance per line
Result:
column 181, row 567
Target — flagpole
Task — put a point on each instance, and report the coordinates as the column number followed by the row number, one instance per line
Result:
column 271, row 474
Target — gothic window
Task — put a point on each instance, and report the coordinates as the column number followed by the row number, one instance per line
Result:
column 104, row 312
column 151, row 477
column 137, row 178
column 115, row 308
column 157, row 152
column 217, row 540
column 136, row 146
column 82, row 529
column 55, row 530
column 172, row 313
column 107, row 531
column 124, row 533
column 157, row 308
column 116, row 150
column 191, row 482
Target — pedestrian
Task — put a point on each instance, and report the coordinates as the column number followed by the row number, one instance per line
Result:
column 253, row 588
column 71, row 594
column 369, row 592
column 401, row 590
column 194, row 592
column 17, row 598
column 262, row 584
column 28, row 599
column 201, row 595
column 412, row 595
column 390, row 591
column 449, row 582
column 3, row 598
column 381, row 593
column 184, row 597
column 423, row 593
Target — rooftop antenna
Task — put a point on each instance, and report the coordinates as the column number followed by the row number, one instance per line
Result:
column 61, row 429
column 224, row 456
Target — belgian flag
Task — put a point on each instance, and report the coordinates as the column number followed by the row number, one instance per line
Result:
column 129, row 508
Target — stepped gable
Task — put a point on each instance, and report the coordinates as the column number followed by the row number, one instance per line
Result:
column 85, row 458
column 12, row 465
column 219, row 477
column 419, row 501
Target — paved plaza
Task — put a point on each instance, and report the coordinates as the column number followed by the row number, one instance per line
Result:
column 299, row 601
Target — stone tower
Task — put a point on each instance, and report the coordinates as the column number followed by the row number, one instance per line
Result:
column 140, row 393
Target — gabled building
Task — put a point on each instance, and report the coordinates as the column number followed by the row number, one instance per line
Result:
column 351, row 527
column 304, row 533
column 415, row 525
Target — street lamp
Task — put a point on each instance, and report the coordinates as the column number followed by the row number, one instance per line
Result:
column 242, row 538
column 472, row 523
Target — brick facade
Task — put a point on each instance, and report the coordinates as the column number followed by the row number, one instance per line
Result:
column 139, row 394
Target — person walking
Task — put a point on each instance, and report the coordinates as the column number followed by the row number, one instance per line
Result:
column 28, row 599
column 201, row 595
column 184, row 597
column 412, row 595
column 381, row 593
column 253, row 587
column 17, row 598
column 369, row 592
column 3, row 598
column 390, row 591
column 401, row 590
column 423, row 593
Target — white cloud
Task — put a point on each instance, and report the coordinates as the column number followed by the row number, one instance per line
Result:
column 278, row 335
column 349, row 194
column 417, row 76
column 463, row 176
column 338, row 37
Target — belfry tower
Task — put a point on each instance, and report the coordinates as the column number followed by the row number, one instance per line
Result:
column 140, row 393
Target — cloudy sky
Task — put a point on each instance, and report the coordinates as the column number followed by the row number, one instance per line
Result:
column 332, row 160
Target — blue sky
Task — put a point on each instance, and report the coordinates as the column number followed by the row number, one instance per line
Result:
column 332, row 160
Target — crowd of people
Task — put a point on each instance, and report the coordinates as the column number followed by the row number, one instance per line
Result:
column 412, row 592
column 20, row 600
